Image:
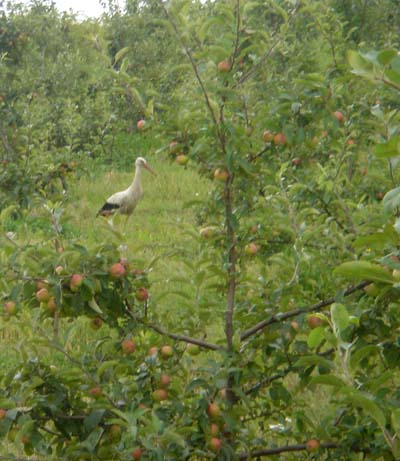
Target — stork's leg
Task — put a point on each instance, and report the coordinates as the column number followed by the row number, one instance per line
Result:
column 126, row 220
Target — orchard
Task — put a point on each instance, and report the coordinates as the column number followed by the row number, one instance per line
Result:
column 250, row 308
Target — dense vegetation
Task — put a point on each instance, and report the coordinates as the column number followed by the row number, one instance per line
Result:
column 252, row 309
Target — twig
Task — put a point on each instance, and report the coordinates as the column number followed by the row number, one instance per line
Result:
column 286, row 315
column 286, row 448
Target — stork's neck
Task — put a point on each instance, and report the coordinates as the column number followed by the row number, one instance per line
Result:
column 136, row 183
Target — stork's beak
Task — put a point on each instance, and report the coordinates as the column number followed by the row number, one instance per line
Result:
column 148, row 167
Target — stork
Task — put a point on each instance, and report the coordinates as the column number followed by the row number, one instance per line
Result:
column 125, row 201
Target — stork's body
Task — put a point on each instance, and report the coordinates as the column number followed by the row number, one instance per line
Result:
column 125, row 201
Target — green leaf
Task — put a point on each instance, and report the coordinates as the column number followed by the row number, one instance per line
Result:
column 93, row 304
column 328, row 380
column 121, row 53
column 360, row 354
column 316, row 337
column 313, row 360
column 388, row 149
column 391, row 201
column 364, row 270
column 396, row 421
column 393, row 76
column 369, row 406
column 360, row 65
column 386, row 56
column 91, row 421
column 340, row 317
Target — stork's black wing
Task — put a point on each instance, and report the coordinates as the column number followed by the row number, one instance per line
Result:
column 107, row 209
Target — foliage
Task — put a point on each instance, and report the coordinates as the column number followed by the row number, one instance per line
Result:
column 274, row 352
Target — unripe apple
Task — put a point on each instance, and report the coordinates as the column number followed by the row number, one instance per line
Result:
column 280, row 138
column 214, row 429
column 140, row 124
column 221, row 174
column 314, row 321
column 396, row 275
column 174, row 147
column 379, row 195
column 312, row 445
column 43, row 295
column 224, row 66
column 165, row 380
column 115, row 431
column 268, row 136
column 59, row 270
column 251, row 248
column 166, row 351
column 41, row 284
column 339, row 116
column 136, row 453
column 153, row 351
column 213, row 410
column 372, row 290
column 117, row 270
column 215, row 444
column 142, row 294
column 364, row 171
column 193, row 349
column 10, row 307
column 76, row 282
column 160, row 394
column 3, row 413
column 95, row 391
column 51, row 305
column 207, row 232
column 295, row 325
column 96, row 323
column 315, row 141
column 182, row 159
column 128, row 346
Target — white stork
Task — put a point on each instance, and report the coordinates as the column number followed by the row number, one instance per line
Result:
column 125, row 201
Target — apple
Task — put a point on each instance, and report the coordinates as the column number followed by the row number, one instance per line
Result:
column 160, row 394
column 153, row 351
column 10, row 307
column 165, row 381
column 166, row 351
column 128, row 346
column 174, row 147
column 315, row 141
column 59, row 270
column 41, row 284
column 396, row 275
column 51, row 305
column 339, row 116
column 364, row 171
column 140, row 124
column 350, row 142
column 3, row 413
column 95, row 392
column 96, row 323
column 117, row 270
column 221, row 174
column 215, row 444
column 280, row 138
column 379, row 195
column 251, row 248
column 136, row 453
column 214, row 429
column 312, row 445
column 295, row 325
column 224, row 66
column 207, row 232
column 115, row 431
column 213, row 410
column 314, row 321
column 268, row 136
column 142, row 294
column 182, row 159
column 43, row 295
column 76, row 282
column 223, row 393
column 296, row 161
column 372, row 290
column 193, row 349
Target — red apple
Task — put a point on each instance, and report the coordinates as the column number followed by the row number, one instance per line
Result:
column 137, row 453
column 10, row 307
column 51, row 305
column 312, row 445
column 213, row 410
column 3, row 413
column 153, row 351
column 165, row 380
column 280, row 138
column 314, row 321
column 215, row 444
column 117, row 270
column 296, row 161
column 76, row 282
column 268, row 136
column 160, row 394
column 214, row 429
column 166, row 351
column 350, row 142
column 128, row 346
column 95, row 391
column 221, row 174
column 339, row 116
column 379, row 195
column 140, row 124
column 142, row 294
column 43, row 295
column 251, row 248
column 182, row 159
column 224, row 66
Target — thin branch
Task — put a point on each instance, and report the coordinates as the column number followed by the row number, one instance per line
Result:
column 236, row 47
column 253, row 157
column 285, row 449
column 392, row 84
column 286, row 315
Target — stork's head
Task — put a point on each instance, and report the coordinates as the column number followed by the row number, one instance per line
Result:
column 141, row 163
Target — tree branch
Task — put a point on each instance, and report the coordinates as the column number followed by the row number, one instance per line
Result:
column 286, row 315
column 285, row 449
